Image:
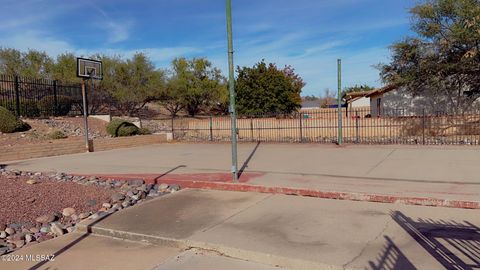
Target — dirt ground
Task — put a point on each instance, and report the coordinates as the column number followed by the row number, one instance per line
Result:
column 70, row 126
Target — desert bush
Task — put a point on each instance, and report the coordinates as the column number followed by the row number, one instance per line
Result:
column 47, row 105
column 121, row 128
column 28, row 108
column 56, row 134
column 144, row 131
column 9, row 123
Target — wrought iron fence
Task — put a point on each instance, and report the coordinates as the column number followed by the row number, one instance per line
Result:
column 321, row 126
column 39, row 97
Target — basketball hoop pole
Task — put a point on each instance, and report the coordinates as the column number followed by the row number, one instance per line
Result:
column 85, row 114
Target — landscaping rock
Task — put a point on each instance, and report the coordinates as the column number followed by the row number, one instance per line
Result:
column 45, row 219
column 45, row 229
column 44, row 237
column 67, row 212
column 31, row 182
column 3, row 235
column 34, row 230
column 56, row 229
column 117, row 197
column 3, row 250
column 83, row 215
column 174, row 188
column 135, row 182
column 106, row 205
column 9, row 231
column 163, row 187
column 19, row 243
column 28, row 238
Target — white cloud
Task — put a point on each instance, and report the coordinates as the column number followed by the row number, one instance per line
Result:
column 117, row 32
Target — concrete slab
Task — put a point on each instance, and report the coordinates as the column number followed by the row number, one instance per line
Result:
column 203, row 260
column 78, row 251
column 180, row 215
column 306, row 233
column 443, row 173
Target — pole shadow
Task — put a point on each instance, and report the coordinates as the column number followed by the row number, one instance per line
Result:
column 168, row 172
column 245, row 164
column 454, row 245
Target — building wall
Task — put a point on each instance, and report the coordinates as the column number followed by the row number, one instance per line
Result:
column 362, row 102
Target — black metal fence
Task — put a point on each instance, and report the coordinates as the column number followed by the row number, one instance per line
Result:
column 39, row 97
column 321, row 126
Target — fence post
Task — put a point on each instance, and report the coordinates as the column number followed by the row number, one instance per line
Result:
column 173, row 130
column 55, row 99
column 17, row 97
column 357, row 135
column 423, row 126
column 211, row 128
column 251, row 129
column 301, row 127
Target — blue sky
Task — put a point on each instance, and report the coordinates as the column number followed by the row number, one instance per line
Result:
column 307, row 34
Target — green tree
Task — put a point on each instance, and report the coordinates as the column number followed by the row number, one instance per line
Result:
column 32, row 64
column 195, row 85
column 266, row 89
column 64, row 69
column 132, row 83
column 442, row 62
column 10, row 61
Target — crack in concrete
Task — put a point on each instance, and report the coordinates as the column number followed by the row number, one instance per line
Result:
column 236, row 213
column 344, row 266
column 380, row 162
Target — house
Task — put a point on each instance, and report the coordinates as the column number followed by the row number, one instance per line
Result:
column 310, row 104
column 374, row 99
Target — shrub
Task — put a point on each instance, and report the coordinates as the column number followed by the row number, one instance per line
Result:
column 120, row 128
column 28, row 108
column 47, row 105
column 144, row 131
column 9, row 123
column 56, row 134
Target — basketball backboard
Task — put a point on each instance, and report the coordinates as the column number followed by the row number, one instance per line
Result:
column 90, row 69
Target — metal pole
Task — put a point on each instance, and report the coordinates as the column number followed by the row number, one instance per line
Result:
column 17, row 97
column 85, row 114
column 231, row 87
column 340, row 133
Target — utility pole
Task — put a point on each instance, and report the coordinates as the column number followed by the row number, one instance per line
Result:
column 340, row 133
column 231, row 87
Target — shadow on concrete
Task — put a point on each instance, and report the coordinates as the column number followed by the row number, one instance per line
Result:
column 245, row 164
column 391, row 258
column 3, row 166
column 72, row 244
column 166, row 173
column 454, row 245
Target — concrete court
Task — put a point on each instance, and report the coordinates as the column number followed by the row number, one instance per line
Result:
column 449, row 173
column 78, row 251
column 260, row 231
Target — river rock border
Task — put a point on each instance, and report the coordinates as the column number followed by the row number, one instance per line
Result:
column 126, row 194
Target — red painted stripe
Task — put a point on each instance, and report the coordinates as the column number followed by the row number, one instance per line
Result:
column 243, row 187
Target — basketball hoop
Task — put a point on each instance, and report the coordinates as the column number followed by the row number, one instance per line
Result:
column 88, row 69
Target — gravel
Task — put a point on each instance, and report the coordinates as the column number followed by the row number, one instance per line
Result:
column 48, row 196
column 37, row 207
